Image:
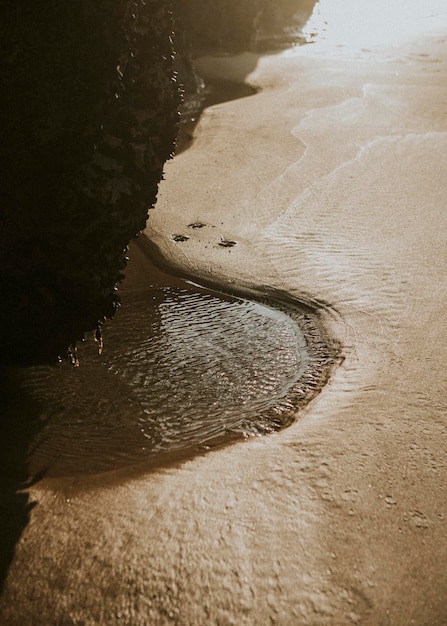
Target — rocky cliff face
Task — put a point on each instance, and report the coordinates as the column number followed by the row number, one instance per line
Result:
column 88, row 118
column 233, row 24
column 207, row 27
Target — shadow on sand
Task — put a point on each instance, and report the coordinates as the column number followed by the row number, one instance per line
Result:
column 19, row 425
column 206, row 91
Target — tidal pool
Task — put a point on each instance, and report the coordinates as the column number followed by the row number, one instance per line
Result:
column 183, row 368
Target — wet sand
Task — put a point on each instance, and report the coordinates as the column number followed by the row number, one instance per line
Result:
column 182, row 369
column 331, row 180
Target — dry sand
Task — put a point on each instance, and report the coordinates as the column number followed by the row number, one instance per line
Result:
column 332, row 180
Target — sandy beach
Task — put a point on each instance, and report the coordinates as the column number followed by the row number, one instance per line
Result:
column 332, row 182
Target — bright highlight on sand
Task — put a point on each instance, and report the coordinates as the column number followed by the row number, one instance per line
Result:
column 353, row 25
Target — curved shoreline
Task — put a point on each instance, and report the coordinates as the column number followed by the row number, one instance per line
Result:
column 320, row 357
column 325, row 352
column 340, row 518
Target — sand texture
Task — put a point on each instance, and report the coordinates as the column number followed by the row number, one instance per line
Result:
column 332, row 182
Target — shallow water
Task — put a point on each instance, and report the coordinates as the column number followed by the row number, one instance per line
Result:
column 183, row 367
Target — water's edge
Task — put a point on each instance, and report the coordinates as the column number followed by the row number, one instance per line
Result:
column 95, row 436
column 324, row 351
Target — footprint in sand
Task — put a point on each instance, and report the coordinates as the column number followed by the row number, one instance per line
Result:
column 196, row 225
column 179, row 238
column 226, row 243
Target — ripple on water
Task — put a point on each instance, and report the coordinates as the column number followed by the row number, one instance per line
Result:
column 182, row 368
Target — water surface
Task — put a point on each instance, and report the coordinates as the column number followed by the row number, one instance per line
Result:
column 183, row 367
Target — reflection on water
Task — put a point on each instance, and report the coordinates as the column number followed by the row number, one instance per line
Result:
column 182, row 367
column 209, row 358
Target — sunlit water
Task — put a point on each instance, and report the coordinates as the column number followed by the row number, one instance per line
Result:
column 183, row 367
column 349, row 26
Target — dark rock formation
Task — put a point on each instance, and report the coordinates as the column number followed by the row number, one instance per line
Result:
column 216, row 26
column 236, row 24
column 88, row 118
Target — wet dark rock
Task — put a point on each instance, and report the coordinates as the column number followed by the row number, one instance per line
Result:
column 88, row 118
column 89, row 115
